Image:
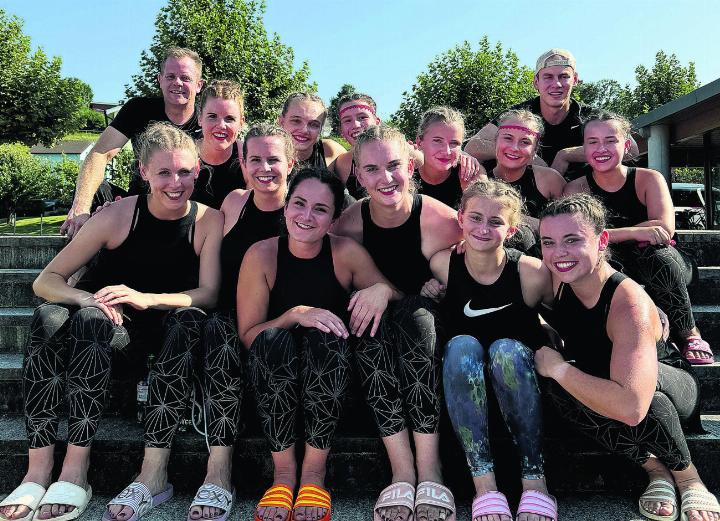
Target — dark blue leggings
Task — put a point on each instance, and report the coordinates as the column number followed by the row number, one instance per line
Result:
column 509, row 366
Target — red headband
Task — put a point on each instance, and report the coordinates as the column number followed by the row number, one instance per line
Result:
column 520, row 127
column 358, row 106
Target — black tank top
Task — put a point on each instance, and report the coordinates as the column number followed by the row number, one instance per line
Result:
column 253, row 225
column 216, row 181
column 623, row 206
column 316, row 159
column 158, row 256
column 307, row 282
column 490, row 312
column 397, row 252
column 353, row 186
column 584, row 330
column 534, row 200
column 449, row 191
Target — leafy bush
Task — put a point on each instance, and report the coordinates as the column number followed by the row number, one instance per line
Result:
column 123, row 168
column 25, row 179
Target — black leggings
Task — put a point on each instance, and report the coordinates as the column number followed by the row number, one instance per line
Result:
column 222, row 377
column 665, row 275
column 660, row 433
column 400, row 368
column 305, row 366
column 78, row 345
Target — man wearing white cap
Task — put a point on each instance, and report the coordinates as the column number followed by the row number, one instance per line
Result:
column 555, row 77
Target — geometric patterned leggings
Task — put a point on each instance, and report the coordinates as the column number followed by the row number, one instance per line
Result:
column 76, row 346
column 400, row 368
column 508, row 367
column 303, row 368
column 664, row 274
column 659, row 433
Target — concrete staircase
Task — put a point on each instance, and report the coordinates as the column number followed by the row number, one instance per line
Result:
column 357, row 465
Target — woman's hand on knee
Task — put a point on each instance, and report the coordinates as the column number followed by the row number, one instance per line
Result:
column 113, row 312
column 366, row 306
column 321, row 319
column 548, row 361
column 121, row 294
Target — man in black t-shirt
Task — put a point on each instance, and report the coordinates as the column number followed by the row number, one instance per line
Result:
column 180, row 80
column 561, row 145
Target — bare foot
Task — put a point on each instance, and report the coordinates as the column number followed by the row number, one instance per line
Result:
column 205, row 512
column 541, row 486
column 656, row 470
column 19, row 511
column 156, row 482
column 697, row 515
column 311, row 513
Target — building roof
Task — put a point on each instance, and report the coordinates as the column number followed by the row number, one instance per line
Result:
column 690, row 115
column 63, row 147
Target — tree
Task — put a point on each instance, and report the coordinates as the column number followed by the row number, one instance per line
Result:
column 604, row 94
column 666, row 81
column 230, row 37
column 22, row 177
column 480, row 83
column 335, row 106
column 37, row 105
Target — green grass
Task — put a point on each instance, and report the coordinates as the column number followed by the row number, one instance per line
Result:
column 82, row 136
column 31, row 226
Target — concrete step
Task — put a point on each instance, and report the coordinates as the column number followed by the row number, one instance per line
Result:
column 14, row 328
column 16, row 287
column 702, row 245
column 356, row 465
column 26, row 251
column 707, row 288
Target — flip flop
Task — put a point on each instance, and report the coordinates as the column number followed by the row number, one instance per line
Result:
column 695, row 344
column 138, row 497
column 312, row 496
column 276, row 496
column 697, row 499
column 539, row 503
column 661, row 491
column 213, row 496
column 437, row 495
column 489, row 503
column 400, row 494
column 27, row 494
column 66, row 493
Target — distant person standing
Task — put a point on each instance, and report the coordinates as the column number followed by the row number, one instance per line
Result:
column 180, row 80
column 562, row 144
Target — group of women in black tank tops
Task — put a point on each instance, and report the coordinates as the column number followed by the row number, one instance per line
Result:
column 385, row 294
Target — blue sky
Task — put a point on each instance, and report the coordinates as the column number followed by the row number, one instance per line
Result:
column 382, row 46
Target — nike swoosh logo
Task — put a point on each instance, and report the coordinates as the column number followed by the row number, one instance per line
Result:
column 469, row 312
column 574, row 127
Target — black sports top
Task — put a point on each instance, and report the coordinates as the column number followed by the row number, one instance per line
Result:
column 306, row 282
column 534, row 200
column 316, row 159
column 397, row 252
column 584, row 331
column 132, row 120
column 623, row 206
column 216, row 181
column 490, row 312
column 353, row 186
column 253, row 225
column 449, row 191
column 158, row 256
